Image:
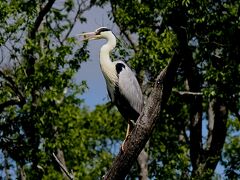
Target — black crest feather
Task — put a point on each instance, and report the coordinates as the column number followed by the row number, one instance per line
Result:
column 102, row 29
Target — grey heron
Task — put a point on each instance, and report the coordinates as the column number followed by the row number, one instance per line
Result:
column 122, row 85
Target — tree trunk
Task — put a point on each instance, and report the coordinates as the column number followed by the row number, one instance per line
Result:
column 218, row 114
column 143, row 164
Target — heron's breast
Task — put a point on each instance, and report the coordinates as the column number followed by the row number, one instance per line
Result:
column 110, row 74
column 110, row 78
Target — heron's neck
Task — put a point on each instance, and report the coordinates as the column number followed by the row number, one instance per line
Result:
column 106, row 50
column 107, row 65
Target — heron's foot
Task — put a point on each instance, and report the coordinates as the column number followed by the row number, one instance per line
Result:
column 133, row 123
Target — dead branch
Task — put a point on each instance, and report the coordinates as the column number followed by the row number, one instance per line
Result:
column 69, row 175
column 188, row 93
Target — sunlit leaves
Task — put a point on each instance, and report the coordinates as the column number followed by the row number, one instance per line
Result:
column 231, row 158
column 155, row 50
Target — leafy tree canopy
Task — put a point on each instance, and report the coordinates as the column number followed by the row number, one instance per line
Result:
column 41, row 111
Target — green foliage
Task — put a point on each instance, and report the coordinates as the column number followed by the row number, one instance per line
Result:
column 149, row 43
column 92, row 147
column 41, row 111
column 230, row 155
column 40, row 108
column 87, row 140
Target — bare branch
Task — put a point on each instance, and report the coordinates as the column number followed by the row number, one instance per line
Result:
column 129, row 38
column 188, row 93
column 69, row 175
column 79, row 12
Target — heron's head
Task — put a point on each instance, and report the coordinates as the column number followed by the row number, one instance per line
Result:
column 100, row 33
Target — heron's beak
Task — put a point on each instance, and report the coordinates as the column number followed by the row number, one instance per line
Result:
column 89, row 36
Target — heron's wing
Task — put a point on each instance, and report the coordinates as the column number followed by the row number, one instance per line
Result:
column 129, row 87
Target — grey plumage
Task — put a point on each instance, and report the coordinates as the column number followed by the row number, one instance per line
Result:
column 128, row 94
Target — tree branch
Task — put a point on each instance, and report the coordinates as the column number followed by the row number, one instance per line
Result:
column 218, row 135
column 11, row 83
column 142, row 161
column 9, row 103
column 195, row 111
column 40, row 17
column 188, row 93
column 32, row 35
column 69, row 175
column 129, row 38
column 146, row 122
column 210, row 124
column 79, row 12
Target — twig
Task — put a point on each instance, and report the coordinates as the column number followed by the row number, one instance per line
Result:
column 78, row 13
column 188, row 93
column 129, row 38
column 69, row 175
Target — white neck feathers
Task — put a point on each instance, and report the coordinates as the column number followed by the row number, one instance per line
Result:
column 107, row 66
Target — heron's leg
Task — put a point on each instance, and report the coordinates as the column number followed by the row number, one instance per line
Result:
column 130, row 127
column 128, row 131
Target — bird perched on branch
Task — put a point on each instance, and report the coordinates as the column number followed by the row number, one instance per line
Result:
column 122, row 85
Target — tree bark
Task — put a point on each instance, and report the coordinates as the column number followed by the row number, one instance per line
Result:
column 216, row 136
column 60, row 156
column 195, row 101
column 146, row 122
column 22, row 173
column 143, row 164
